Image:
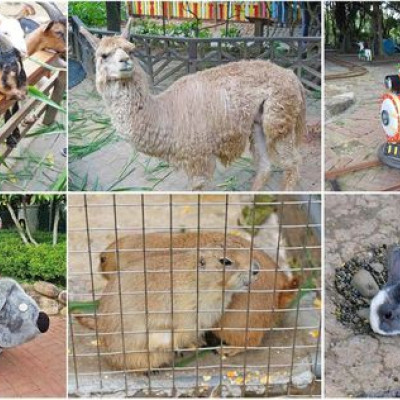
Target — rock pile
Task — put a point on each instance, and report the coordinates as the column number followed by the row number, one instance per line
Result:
column 357, row 282
column 50, row 299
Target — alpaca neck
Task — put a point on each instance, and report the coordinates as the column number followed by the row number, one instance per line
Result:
column 134, row 112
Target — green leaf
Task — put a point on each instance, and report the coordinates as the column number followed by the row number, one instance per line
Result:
column 37, row 94
column 61, row 183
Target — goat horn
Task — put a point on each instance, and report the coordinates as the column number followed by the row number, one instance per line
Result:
column 5, row 43
column 52, row 10
column 92, row 39
column 126, row 34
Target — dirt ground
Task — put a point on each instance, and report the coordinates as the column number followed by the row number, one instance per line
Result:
column 89, row 374
column 355, row 135
column 115, row 164
column 358, row 365
column 37, row 161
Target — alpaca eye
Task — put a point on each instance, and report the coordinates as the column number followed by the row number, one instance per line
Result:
column 104, row 56
column 225, row 261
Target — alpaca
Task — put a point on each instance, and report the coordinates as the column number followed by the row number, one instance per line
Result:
column 206, row 116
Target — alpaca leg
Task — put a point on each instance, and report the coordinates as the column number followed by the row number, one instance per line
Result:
column 259, row 150
column 202, row 180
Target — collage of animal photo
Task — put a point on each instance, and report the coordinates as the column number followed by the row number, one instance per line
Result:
column 199, row 199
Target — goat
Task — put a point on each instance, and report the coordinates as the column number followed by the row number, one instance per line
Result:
column 13, row 81
column 11, row 29
column 206, row 116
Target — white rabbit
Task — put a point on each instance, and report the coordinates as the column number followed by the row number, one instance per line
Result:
column 385, row 306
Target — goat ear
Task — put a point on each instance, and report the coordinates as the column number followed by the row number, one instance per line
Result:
column 126, row 33
column 93, row 40
column 48, row 26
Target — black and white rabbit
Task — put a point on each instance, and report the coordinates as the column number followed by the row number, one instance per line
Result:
column 385, row 306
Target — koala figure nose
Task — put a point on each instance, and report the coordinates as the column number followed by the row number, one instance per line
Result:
column 43, row 322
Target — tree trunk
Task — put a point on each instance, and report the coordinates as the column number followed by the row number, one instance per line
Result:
column 17, row 224
column 27, row 228
column 56, row 221
column 113, row 9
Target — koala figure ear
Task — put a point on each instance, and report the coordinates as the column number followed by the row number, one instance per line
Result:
column 6, row 285
column 394, row 264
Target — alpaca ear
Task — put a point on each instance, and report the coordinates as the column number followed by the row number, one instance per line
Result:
column 93, row 40
column 126, row 33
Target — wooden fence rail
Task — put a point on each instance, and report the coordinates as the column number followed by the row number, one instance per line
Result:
column 166, row 58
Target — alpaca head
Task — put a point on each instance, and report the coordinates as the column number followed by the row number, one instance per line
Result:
column 114, row 59
column 114, row 56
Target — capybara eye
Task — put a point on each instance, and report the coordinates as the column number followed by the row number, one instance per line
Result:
column 225, row 261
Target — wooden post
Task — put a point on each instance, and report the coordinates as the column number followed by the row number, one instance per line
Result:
column 192, row 52
column 56, row 96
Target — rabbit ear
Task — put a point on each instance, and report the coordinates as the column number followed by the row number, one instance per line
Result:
column 394, row 264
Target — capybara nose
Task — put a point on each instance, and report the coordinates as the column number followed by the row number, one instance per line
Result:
column 43, row 322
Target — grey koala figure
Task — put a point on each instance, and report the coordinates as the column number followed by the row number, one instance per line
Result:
column 20, row 317
column 385, row 306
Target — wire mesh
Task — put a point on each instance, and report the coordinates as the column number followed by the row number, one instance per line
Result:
column 195, row 295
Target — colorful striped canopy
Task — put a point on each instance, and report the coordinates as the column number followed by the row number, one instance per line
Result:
column 220, row 10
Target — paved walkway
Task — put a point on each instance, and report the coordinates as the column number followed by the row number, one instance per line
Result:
column 38, row 368
column 355, row 136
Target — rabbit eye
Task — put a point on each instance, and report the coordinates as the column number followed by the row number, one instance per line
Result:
column 389, row 315
column 225, row 261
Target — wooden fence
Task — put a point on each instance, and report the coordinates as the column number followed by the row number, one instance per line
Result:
column 167, row 58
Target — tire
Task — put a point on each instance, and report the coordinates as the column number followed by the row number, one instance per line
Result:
column 387, row 160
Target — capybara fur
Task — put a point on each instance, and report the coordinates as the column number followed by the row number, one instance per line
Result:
column 130, row 249
column 153, row 327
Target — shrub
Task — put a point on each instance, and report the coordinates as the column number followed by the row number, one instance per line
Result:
column 32, row 263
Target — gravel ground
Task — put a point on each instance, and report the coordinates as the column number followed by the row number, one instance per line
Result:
column 358, row 365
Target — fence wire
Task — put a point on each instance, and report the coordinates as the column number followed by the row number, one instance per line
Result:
column 194, row 295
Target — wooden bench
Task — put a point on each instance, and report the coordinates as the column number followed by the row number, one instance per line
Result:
column 53, row 85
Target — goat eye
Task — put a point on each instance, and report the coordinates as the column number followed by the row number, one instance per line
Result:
column 225, row 261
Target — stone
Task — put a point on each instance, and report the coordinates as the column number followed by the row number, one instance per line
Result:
column 365, row 284
column 64, row 312
column 47, row 289
column 363, row 313
column 62, row 297
column 378, row 267
column 49, row 306
column 338, row 104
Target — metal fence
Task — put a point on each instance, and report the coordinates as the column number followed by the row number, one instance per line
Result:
column 168, row 58
column 161, row 302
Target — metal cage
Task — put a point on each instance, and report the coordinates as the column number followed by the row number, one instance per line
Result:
column 122, row 246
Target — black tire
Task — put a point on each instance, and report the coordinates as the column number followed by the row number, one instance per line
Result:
column 387, row 160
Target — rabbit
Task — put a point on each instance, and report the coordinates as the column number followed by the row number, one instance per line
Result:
column 20, row 317
column 385, row 306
